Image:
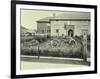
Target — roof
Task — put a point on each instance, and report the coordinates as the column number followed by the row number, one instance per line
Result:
column 26, row 30
column 46, row 19
column 73, row 15
column 68, row 16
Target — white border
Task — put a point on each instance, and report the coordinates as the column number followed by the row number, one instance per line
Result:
column 19, row 72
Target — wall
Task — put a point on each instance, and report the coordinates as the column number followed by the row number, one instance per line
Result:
column 42, row 26
column 77, row 26
column 57, row 25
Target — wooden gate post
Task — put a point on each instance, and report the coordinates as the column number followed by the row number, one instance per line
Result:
column 84, row 42
column 38, row 51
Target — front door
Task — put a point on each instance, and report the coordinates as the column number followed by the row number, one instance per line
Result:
column 70, row 33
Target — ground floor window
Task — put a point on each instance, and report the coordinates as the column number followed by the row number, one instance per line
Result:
column 57, row 30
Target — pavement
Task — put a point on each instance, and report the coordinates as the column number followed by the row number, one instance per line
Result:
column 33, row 62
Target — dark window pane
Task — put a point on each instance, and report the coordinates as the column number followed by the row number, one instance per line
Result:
column 57, row 30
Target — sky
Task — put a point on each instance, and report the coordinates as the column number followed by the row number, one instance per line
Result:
column 29, row 17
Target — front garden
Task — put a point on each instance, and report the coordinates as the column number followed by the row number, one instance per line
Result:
column 54, row 47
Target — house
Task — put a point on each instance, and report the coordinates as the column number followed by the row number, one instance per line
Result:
column 43, row 26
column 67, row 24
column 27, row 32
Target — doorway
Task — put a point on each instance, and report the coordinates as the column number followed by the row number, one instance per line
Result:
column 70, row 33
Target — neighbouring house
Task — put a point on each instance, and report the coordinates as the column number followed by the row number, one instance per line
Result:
column 67, row 24
column 27, row 32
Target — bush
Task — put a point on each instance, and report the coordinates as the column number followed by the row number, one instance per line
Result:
column 53, row 52
column 63, row 49
column 41, row 38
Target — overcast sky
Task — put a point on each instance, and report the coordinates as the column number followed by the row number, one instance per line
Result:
column 29, row 17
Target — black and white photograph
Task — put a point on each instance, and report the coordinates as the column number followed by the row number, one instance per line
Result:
column 55, row 38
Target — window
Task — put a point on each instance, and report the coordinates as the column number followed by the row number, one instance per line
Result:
column 57, row 30
column 48, row 31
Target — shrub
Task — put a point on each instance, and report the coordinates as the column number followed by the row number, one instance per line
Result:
column 41, row 38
